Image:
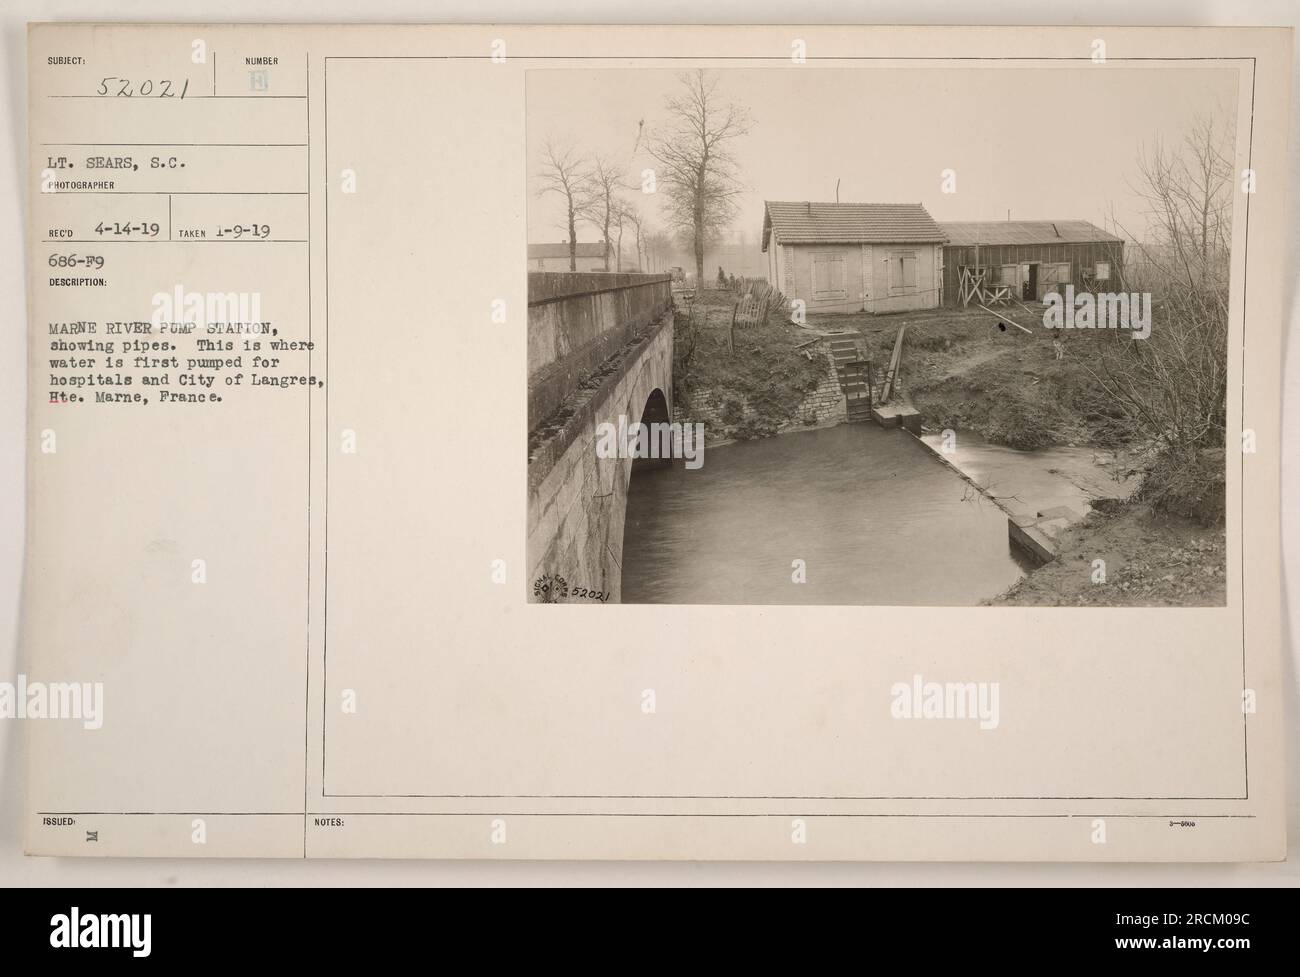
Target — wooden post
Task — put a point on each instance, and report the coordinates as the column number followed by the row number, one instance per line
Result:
column 894, row 362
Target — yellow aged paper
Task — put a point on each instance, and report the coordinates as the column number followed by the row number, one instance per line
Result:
column 893, row 414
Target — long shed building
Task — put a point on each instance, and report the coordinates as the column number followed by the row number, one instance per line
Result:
column 1032, row 257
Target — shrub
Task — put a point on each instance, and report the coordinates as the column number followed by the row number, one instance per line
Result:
column 1020, row 424
column 1190, row 484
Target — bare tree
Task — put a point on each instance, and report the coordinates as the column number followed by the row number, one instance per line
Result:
column 637, row 223
column 602, row 205
column 699, row 174
column 566, row 173
column 627, row 218
column 619, row 220
column 1173, row 385
column 659, row 247
column 1188, row 191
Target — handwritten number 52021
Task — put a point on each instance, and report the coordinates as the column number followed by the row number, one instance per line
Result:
column 148, row 88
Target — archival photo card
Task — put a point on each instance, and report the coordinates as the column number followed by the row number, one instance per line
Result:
column 745, row 443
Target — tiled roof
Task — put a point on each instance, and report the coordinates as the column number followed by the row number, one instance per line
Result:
column 561, row 250
column 804, row 222
column 968, row 233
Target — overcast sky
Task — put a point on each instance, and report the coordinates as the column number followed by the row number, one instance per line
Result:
column 1047, row 142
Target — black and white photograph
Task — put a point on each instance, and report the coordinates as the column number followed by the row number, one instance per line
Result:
column 904, row 335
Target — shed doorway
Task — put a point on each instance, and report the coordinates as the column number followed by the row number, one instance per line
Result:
column 1029, row 281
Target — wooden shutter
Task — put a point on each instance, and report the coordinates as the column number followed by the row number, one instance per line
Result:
column 902, row 271
column 909, row 270
column 828, row 275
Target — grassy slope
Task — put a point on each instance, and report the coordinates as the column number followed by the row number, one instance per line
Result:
column 967, row 369
column 759, row 386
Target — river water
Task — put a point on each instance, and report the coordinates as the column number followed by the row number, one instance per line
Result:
column 1028, row 481
column 874, row 515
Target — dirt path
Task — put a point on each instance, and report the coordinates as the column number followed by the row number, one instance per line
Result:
column 968, row 360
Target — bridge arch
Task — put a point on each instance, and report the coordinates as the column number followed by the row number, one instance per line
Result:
column 600, row 360
column 653, row 411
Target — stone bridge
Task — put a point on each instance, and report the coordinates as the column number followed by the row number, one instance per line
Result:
column 600, row 351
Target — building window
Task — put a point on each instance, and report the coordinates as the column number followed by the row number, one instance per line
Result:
column 1054, row 273
column 902, row 271
column 828, row 276
column 1102, row 272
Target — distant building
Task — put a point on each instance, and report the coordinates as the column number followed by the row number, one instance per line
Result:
column 555, row 257
column 853, row 257
column 1032, row 257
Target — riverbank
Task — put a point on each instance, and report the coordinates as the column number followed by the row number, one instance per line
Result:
column 751, row 382
column 962, row 369
column 1036, row 433
column 1149, row 559
column 968, row 369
